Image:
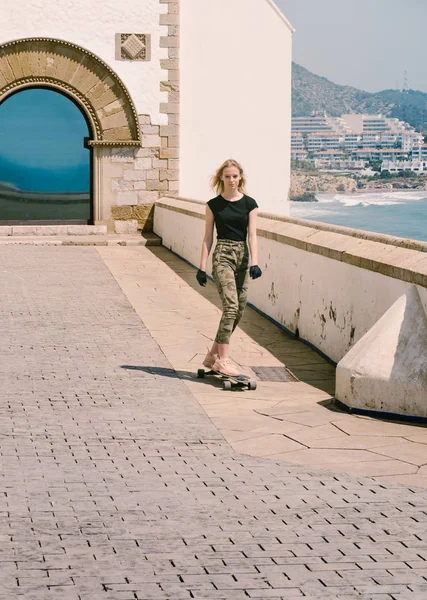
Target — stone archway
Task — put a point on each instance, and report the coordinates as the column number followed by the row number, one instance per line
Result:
column 80, row 74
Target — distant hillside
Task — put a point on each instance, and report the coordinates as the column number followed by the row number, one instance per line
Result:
column 312, row 93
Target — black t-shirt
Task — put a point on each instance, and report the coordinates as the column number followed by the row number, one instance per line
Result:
column 232, row 218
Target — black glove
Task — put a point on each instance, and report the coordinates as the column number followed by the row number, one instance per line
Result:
column 201, row 277
column 255, row 272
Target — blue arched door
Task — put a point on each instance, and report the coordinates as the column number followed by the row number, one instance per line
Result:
column 45, row 168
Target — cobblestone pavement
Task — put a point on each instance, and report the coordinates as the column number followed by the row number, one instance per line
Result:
column 115, row 485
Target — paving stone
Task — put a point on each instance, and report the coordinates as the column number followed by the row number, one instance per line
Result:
column 115, row 484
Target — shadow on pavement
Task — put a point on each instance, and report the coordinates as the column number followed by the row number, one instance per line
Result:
column 304, row 362
column 187, row 375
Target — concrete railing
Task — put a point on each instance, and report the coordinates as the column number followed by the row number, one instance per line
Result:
column 327, row 284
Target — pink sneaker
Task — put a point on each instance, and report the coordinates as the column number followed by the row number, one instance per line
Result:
column 209, row 360
column 225, row 367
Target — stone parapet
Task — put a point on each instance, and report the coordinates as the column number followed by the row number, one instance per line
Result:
column 329, row 287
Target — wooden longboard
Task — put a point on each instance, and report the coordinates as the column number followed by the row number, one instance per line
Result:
column 227, row 380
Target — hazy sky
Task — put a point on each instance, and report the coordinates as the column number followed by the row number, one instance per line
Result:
column 364, row 43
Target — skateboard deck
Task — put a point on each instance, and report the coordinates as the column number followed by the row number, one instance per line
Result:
column 227, row 380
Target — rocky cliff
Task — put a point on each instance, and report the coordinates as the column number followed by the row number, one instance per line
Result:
column 304, row 184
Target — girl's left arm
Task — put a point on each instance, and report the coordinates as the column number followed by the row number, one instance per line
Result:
column 252, row 238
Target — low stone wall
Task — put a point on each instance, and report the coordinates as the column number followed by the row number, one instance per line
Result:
column 327, row 284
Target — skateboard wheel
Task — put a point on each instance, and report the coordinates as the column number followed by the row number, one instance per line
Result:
column 252, row 385
column 201, row 373
column 226, row 385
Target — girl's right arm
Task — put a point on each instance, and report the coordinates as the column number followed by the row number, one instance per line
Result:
column 208, row 239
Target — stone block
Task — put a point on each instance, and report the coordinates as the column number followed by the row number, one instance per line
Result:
column 173, row 31
column 86, row 229
column 152, row 174
column 117, row 119
column 121, row 185
column 173, row 119
column 160, row 163
column 135, row 175
column 143, row 164
column 150, row 129
column 169, row 153
column 156, row 185
column 169, row 64
column 167, row 130
column 174, row 186
column 124, row 198
column 150, row 141
column 121, row 212
column 144, row 119
column 169, row 19
column 386, row 370
column 173, row 163
column 139, row 185
column 169, row 42
column 169, row 86
column 144, row 214
column 174, row 96
column 173, row 141
column 147, row 197
column 169, row 108
column 173, row 52
column 129, row 226
column 169, row 175
column 142, row 211
column 143, row 153
column 5, row 230
column 173, row 75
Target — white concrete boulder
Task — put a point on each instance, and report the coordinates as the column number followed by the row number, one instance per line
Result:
column 386, row 370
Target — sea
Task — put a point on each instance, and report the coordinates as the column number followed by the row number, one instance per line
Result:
column 400, row 213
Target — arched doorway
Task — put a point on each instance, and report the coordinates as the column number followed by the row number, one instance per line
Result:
column 97, row 91
column 45, row 168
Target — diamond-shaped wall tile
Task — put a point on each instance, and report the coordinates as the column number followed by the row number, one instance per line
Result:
column 132, row 46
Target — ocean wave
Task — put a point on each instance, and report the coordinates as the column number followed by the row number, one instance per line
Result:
column 371, row 198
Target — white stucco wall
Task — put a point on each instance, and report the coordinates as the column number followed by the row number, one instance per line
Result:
column 236, row 97
column 93, row 25
column 331, row 303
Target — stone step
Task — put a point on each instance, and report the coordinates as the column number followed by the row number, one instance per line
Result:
column 8, row 230
column 108, row 239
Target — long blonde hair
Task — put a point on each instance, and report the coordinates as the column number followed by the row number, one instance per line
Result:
column 218, row 184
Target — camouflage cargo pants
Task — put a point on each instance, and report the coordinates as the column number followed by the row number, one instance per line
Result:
column 230, row 263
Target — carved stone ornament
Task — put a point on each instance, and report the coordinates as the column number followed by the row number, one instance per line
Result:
column 133, row 46
column 91, row 83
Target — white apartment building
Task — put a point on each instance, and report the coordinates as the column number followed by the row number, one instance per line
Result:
column 299, row 154
column 297, row 141
column 410, row 139
column 324, row 141
column 353, row 132
column 329, row 155
column 379, row 154
column 340, row 164
column 310, row 124
column 416, row 166
column 352, row 141
column 419, row 152
column 370, row 140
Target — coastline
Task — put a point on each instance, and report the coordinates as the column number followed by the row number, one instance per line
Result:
column 306, row 184
column 398, row 214
column 378, row 190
